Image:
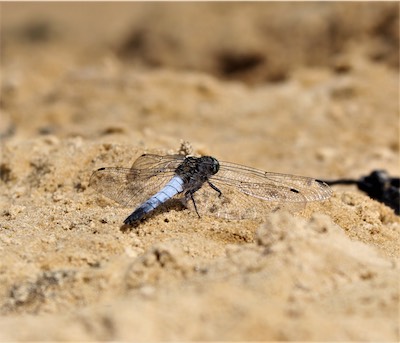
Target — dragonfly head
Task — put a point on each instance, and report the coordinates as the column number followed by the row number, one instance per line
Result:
column 212, row 163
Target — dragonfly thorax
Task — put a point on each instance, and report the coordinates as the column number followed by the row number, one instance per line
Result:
column 194, row 171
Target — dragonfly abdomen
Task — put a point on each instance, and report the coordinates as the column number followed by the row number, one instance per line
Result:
column 173, row 187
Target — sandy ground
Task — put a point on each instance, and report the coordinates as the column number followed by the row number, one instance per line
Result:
column 309, row 89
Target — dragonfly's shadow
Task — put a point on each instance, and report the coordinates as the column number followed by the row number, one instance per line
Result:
column 171, row 204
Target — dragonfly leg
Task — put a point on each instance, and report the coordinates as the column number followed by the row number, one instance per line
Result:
column 215, row 188
column 189, row 194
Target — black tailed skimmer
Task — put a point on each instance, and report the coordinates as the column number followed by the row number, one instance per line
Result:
column 204, row 185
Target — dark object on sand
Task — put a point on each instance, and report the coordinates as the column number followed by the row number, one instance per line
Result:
column 378, row 185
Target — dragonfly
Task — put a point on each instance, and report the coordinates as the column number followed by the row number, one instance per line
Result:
column 204, row 185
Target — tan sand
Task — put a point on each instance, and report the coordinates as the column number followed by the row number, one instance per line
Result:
column 309, row 89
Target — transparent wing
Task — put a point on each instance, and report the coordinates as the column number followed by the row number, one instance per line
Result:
column 250, row 193
column 271, row 186
column 147, row 164
column 232, row 204
column 132, row 186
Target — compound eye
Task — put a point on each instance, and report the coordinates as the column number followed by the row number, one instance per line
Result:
column 215, row 165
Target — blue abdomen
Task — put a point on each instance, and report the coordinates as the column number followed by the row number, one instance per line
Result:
column 172, row 188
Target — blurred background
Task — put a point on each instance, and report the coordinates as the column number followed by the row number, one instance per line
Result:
column 314, row 76
column 251, row 42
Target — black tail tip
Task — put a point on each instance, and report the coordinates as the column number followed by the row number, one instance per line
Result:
column 130, row 222
column 135, row 217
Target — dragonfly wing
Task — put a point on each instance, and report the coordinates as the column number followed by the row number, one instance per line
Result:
column 271, row 186
column 132, row 186
column 250, row 193
column 147, row 164
column 231, row 204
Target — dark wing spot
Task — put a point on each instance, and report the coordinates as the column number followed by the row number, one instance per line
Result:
column 101, row 168
column 294, row 190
